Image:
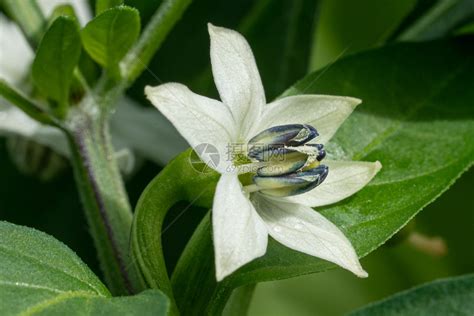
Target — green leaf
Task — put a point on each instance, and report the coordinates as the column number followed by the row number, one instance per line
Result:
column 109, row 36
column 40, row 275
column 63, row 10
column 102, row 5
column 452, row 296
column 345, row 27
column 437, row 20
column 420, row 8
column 416, row 118
column 280, row 33
column 57, row 56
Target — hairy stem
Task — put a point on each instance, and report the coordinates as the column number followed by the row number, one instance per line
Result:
column 105, row 201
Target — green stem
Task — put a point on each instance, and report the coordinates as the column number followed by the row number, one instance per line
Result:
column 180, row 180
column 164, row 19
column 239, row 301
column 177, row 182
column 105, row 201
column 196, row 266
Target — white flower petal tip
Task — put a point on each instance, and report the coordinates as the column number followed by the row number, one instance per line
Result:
column 305, row 230
column 378, row 167
column 236, row 77
column 354, row 101
column 200, row 120
column 361, row 273
column 211, row 27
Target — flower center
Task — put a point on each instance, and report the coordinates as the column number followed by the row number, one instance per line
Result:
column 282, row 162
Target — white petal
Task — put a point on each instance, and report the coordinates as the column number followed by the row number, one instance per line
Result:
column 239, row 233
column 344, row 179
column 325, row 113
column 303, row 229
column 136, row 127
column 15, row 122
column 15, row 53
column 236, row 77
column 198, row 119
column 81, row 8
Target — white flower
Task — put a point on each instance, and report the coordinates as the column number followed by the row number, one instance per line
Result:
column 244, row 216
column 132, row 126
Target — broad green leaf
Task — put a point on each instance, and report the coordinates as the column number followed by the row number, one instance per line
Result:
column 109, row 36
column 453, row 296
column 420, row 8
column 56, row 58
column 102, row 5
column 280, row 33
column 345, row 27
column 40, row 275
column 416, row 118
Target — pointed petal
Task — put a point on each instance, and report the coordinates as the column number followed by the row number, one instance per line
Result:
column 325, row 113
column 236, row 76
column 15, row 53
column 239, row 233
column 344, row 179
column 303, row 229
column 198, row 119
column 15, row 122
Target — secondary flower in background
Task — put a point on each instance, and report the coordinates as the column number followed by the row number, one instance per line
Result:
column 257, row 196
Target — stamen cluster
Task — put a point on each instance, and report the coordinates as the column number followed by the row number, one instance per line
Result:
column 292, row 165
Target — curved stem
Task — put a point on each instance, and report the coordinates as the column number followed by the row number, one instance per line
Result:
column 196, row 266
column 177, row 182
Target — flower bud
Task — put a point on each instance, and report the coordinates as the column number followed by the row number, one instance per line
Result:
column 281, row 136
column 282, row 161
column 291, row 184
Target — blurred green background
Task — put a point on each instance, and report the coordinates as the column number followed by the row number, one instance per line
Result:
column 323, row 32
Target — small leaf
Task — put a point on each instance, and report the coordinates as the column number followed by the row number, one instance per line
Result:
column 102, row 5
column 63, row 10
column 57, row 56
column 452, row 296
column 41, row 275
column 109, row 36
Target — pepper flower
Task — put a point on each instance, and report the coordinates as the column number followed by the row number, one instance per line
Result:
column 275, row 170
